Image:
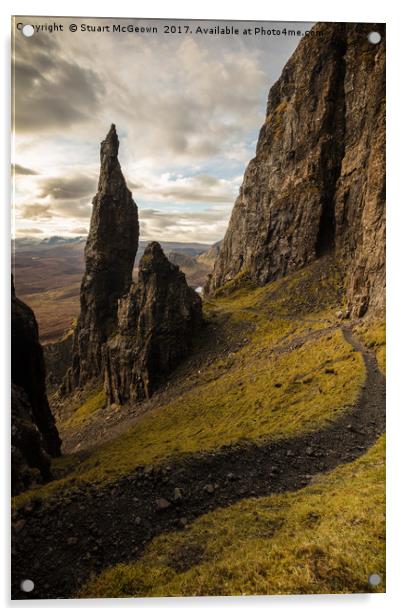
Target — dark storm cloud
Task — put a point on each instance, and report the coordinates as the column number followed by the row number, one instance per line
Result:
column 73, row 187
column 51, row 91
column 20, row 170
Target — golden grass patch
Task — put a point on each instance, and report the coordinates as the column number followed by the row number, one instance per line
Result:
column 86, row 410
column 287, row 379
column 326, row 538
column 374, row 335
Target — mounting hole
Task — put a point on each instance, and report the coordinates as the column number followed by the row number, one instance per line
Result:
column 374, row 37
column 374, row 579
column 28, row 30
column 27, row 585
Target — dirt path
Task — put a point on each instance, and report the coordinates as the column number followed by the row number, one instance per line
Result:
column 58, row 544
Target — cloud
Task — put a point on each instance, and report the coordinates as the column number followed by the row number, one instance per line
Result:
column 207, row 226
column 203, row 188
column 20, row 170
column 30, row 231
column 70, row 187
column 208, row 99
column 36, row 211
column 80, row 230
column 71, row 209
column 187, row 109
column 50, row 90
column 180, row 97
column 134, row 185
column 183, row 193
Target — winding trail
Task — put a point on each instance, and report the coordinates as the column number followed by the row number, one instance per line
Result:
column 59, row 543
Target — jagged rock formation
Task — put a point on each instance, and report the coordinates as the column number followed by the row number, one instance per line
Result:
column 317, row 181
column 58, row 357
column 194, row 270
column 360, row 194
column 34, row 433
column 109, row 258
column 182, row 260
column 156, row 322
column 209, row 257
column 29, row 460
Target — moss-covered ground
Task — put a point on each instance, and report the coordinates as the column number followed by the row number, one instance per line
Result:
column 325, row 538
column 373, row 333
column 87, row 409
column 292, row 375
column 285, row 369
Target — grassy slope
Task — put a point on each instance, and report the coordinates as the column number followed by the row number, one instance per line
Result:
column 260, row 397
column 373, row 334
column 86, row 410
column 253, row 393
column 326, row 538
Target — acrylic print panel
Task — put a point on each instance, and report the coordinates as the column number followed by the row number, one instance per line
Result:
column 198, row 389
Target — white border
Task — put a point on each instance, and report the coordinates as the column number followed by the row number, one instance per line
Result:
column 292, row 10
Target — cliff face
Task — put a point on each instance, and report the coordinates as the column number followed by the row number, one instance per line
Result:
column 209, row 257
column 109, row 258
column 360, row 194
column 58, row 356
column 156, row 322
column 34, row 433
column 316, row 183
column 194, row 270
column 29, row 460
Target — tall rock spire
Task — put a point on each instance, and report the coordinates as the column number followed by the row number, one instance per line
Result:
column 109, row 259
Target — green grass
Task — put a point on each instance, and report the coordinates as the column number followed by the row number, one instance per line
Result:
column 266, row 390
column 374, row 335
column 84, row 412
column 326, row 538
column 261, row 397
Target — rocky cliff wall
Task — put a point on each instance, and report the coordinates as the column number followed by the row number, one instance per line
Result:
column 34, row 435
column 58, row 357
column 316, row 183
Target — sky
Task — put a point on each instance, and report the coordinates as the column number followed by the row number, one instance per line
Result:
column 188, row 109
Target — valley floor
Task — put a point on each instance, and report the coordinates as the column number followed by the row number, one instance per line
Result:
column 229, row 459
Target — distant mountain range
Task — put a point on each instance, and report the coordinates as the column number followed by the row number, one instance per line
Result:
column 31, row 243
column 24, row 244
